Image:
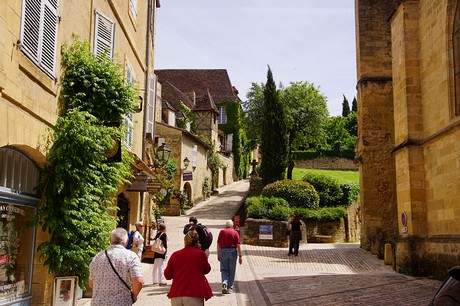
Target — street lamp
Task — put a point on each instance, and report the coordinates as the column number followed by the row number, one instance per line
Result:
column 162, row 154
column 186, row 162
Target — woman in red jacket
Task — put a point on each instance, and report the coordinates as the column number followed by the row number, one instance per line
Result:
column 187, row 268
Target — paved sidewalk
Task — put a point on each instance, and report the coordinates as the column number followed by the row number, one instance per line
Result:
column 322, row 274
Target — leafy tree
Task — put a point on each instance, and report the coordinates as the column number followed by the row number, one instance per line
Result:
column 351, row 124
column 306, row 110
column 252, row 118
column 338, row 138
column 80, row 186
column 273, row 144
column 354, row 105
column 345, row 107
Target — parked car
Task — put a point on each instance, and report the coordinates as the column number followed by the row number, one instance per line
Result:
column 449, row 292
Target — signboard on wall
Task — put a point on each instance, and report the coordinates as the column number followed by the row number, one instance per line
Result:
column 265, row 232
column 187, row 176
column 139, row 183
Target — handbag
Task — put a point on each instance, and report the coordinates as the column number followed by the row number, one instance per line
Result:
column 158, row 246
column 110, row 262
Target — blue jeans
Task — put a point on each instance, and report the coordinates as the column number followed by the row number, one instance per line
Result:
column 228, row 266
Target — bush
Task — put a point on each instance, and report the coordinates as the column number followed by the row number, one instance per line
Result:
column 257, row 211
column 350, row 193
column 279, row 213
column 330, row 193
column 323, row 214
column 268, row 208
column 296, row 193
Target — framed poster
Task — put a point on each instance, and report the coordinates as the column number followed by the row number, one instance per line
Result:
column 65, row 291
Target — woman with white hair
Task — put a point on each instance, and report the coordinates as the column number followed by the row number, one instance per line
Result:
column 228, row 250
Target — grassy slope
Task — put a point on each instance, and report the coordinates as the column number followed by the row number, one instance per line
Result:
column 342, row 176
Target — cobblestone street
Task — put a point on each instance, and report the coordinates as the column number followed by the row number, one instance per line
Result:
column 322, row 274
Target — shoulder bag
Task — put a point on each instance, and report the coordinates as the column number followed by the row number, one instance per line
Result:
column 110, row 262
column 158, row 246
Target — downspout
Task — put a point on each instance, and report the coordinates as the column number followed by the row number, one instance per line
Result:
column 146, row 94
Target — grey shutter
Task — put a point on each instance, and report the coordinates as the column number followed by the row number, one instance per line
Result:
column 151, row 105
column 103, row 36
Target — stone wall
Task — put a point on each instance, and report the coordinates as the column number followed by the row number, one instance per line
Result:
column 327, row 163
column 251, row 233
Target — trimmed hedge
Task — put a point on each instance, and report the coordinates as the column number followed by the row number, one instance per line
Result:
column 323, row 214
column 350, row 193
column 328, row 188
column 268, row 208
column 296, row 193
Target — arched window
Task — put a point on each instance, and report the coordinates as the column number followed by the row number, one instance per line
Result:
column 456, row 47
column 18, row 173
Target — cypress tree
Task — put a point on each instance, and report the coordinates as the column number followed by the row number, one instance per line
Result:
column 354, row 105
column 274, row 134
column 345, row 107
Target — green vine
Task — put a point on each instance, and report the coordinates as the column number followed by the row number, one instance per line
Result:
column 165, row 174
column 79, row 191
column 189, row 118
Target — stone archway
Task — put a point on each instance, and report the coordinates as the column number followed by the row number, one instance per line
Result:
column 188, row 191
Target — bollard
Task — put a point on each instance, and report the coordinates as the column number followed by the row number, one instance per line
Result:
column 388, row 255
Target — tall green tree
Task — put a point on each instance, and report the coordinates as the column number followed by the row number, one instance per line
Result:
column 306, row 111
column 274, row 143
column 345, row 107
column 252, row 116
column 354, row 105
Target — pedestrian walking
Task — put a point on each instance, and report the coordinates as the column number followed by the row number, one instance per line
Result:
column 159, row 259
column 295, row 235
column 228, row 251
column 115, row 273
column 203, row 232
column 138, row 240
column 187, row 269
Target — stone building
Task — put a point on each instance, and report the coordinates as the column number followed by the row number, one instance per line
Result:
column 408, row 63
column 32, row 34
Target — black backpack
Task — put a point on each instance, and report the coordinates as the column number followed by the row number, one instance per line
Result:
column 205, row 235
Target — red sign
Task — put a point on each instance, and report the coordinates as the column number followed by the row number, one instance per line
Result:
column 236, row 223
column 404, row 219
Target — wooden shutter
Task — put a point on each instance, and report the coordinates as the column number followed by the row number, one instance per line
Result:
column 39, row 32
column 151, row 105
column 104, row 31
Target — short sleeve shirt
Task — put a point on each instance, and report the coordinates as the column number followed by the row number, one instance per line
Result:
column 228, row 238
column 108, row 289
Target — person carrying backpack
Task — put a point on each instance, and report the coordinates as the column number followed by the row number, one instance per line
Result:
column 135, row 240
column 203, row 232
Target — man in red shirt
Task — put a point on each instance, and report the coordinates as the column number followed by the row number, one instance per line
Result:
column 228, row 250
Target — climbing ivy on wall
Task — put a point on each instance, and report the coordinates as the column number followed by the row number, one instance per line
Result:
column 233, row 126
column 77, row 209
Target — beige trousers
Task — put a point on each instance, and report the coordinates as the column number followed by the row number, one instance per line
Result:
column 187, row 301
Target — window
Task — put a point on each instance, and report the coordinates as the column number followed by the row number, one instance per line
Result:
column 39, row 26
column 222, row 115
column 456, row 47
column 133, row 8
column 129, row 118
column 104, row 31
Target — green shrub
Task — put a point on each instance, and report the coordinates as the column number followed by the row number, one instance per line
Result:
column 257, row 211
column 323, row 214
column 267, row 208
column 296, row 193
column 279, row 213
column 272, row 202
column 328, row 188
column 350, row 193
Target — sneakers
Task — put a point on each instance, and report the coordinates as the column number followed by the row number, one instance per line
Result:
column 230, row 290
column 224, row 288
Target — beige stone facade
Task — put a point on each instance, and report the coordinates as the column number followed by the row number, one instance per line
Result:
column 29, row 93
column 409, row 132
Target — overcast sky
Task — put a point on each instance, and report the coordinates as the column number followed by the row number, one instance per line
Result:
column 301, row 40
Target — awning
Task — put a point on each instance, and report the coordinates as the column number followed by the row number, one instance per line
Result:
column 141, row 165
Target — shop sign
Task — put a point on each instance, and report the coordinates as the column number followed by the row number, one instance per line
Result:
column 187, row 176
column 139, row 183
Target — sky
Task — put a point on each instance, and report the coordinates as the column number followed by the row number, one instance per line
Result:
column 301, row 40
